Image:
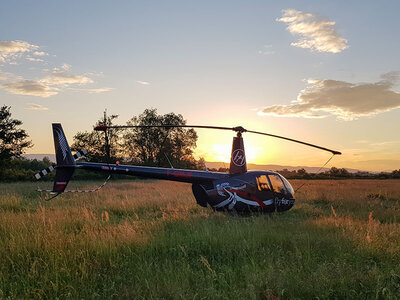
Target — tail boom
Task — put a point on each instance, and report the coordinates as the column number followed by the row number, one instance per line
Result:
column 189, row 176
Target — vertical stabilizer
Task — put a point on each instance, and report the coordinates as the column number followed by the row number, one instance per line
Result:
column 65, row 161
column 238, row 158
column 63, row 152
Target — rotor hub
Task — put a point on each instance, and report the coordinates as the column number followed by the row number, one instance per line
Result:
column 239, row 129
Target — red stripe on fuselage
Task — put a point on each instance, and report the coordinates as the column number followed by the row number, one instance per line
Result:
column 178, row 173
column 249, row 197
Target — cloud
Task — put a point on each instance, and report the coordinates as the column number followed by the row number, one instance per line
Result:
column 34, row 59
column 266, row 50
column 99, row 90
column 40, row 53
column 66, row 67
column 38, row 107
column 52, row 84
column 10, row 50
column 30, row 88
column 315, row 32
column 347, row 101
column 45, row 87
column 4, row 76
column 385, row 143
column 61, row 77
column 16, row 46
column 143, row 82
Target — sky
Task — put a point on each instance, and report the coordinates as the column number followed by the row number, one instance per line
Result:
column 325, row 72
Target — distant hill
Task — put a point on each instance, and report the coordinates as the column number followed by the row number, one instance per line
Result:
column 52, row 157
column 217, row 165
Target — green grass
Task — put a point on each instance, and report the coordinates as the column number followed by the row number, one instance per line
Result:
column 149, row 240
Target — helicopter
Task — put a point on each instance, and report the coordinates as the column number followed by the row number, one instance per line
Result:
column 237, row 191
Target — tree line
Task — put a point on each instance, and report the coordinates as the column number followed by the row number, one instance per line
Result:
column 339, row 173
column 332, row 173
column 159, row 147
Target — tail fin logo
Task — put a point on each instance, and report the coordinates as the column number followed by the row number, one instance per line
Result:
column 238, row 157
column 63, row 142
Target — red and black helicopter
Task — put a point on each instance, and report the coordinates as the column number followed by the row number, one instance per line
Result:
column 238, row 190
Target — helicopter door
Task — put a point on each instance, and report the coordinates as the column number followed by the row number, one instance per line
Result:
column 282, row 196
column 263, row 183
column 265, row 192
column 278, row 186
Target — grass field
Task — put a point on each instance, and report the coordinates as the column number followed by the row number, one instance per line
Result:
column 149, row 240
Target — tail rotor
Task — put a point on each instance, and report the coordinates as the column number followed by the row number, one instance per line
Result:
column 65, row 166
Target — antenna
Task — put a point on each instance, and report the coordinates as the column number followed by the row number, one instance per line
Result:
column 106, row 137
column 172, row 167
column 205, row 166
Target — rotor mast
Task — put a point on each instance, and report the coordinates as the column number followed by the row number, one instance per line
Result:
column 107, row 142
column 238, row 163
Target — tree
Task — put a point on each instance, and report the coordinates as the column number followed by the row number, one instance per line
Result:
column 335, row 172
column 95, row 142
column 147, row 146
column 152, row 146
column 302, row 172
column 396, row 174
column 13, row 140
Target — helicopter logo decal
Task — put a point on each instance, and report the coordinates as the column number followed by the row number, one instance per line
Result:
column 224, row 189
column 63, row 142
column 238, row 157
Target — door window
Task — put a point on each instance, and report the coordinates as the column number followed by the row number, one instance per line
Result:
column 263, row 183
column 277, row 184
column 288, row 186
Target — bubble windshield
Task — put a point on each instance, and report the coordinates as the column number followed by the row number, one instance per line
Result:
column 288, row 185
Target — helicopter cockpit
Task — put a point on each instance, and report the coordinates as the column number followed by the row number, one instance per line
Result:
column 276, row 183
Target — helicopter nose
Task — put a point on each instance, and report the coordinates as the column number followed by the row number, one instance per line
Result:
column 284, row 204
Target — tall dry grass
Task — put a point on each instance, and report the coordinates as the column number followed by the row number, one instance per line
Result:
column 366, row 211
column 149, row 239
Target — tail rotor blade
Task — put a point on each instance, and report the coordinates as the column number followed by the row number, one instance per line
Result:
column 50, row 169
column 79, row 154
column 44, row 172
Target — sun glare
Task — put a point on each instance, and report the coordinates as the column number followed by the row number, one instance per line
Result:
column 222, row 153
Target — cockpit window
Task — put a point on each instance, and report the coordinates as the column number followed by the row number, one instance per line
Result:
column 288, row 185
column 277, row 184
column 263, row 183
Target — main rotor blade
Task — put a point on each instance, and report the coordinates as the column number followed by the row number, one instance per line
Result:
column 103, row 128
column 296, row 141
column 237, row 129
